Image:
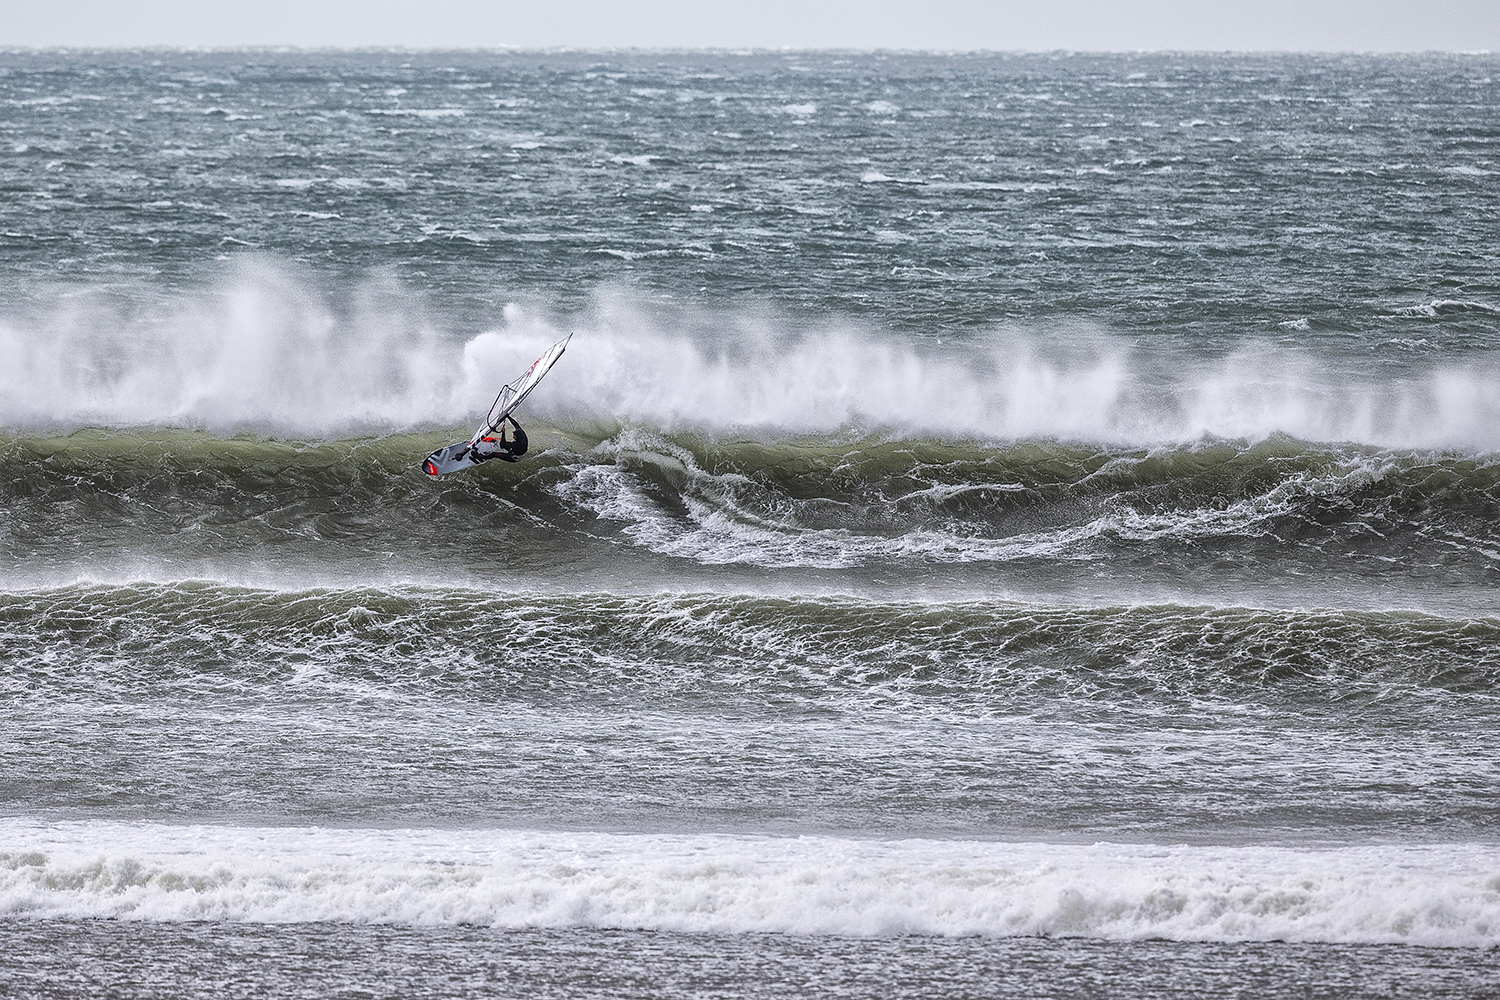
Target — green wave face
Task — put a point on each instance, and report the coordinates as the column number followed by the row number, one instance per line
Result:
column 608, row 507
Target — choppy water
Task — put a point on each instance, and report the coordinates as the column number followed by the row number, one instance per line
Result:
column 1054, row 500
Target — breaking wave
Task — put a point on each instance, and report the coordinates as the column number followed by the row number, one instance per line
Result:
column 1443, row 895
column 269, row 350
column 101, row 501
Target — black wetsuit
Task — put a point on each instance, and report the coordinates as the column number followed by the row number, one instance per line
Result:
column 497, row 446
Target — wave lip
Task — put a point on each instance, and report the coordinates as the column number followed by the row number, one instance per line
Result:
column 1445, row 895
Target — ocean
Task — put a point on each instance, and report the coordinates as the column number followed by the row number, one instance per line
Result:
column 1005, row 525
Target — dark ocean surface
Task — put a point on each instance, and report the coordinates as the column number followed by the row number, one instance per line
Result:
column 1004, row 525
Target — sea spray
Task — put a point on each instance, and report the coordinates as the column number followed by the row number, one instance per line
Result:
column 274, row 350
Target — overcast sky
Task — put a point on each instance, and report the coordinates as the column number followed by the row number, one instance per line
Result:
column 1341, row 25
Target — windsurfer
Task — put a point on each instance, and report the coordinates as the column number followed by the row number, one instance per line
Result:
column 498, row 446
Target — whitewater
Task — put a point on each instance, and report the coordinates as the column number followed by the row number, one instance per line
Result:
column 1004, row 525
column 806, row 885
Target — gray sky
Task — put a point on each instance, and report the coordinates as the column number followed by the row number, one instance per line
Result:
column 1380, row 25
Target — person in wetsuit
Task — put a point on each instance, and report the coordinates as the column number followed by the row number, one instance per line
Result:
column 498, row 446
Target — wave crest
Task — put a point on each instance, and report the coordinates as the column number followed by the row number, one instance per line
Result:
column 269, row 350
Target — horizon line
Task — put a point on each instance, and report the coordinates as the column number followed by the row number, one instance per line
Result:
column 721, row 50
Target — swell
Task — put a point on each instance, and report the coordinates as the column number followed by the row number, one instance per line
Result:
column 209, row 641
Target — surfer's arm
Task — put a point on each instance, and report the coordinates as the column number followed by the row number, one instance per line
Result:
column 516, row 447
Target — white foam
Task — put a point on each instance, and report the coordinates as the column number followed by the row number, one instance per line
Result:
column 1443, row 895
column 268, row 350
column 721, row 523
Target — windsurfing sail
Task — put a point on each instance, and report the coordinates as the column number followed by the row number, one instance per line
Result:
column 511, row 395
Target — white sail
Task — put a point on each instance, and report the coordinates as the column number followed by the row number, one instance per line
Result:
column 512, row 394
